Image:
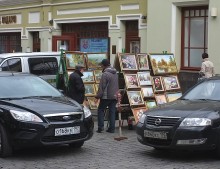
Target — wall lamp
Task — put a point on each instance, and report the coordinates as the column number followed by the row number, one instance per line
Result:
column 214, row 12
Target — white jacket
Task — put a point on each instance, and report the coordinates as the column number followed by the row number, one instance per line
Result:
column 207, row 68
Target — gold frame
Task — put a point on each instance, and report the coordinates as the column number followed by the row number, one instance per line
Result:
column 147, row 87
column 91, row 100
column 97, row 61
column 138, row 93
column 96, row 80
column 138, row 60
column 120, row 55
column 93, row 90
column 147, row 73
column 168, row 86
column 156, row 87
column 128, row 85
column 137, row 114
column 93, row 79
column 68, row 59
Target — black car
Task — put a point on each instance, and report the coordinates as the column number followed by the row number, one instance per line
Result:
column 34, row 113
column 191, row 123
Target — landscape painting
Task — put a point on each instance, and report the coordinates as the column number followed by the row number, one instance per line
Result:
column 173, row 96
column 94, row 59
column 73, row 59
column 151, row 104
column 88, row 77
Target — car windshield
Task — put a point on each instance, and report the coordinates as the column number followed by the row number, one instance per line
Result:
column 208, row 90
column 13, row 87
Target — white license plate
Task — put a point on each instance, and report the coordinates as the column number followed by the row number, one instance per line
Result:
column 67, row 131
column 155, row 134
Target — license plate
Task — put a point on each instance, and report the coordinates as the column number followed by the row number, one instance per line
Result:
column 67, row 131
column 155, row 134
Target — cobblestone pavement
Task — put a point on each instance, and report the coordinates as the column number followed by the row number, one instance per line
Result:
column 102, row 152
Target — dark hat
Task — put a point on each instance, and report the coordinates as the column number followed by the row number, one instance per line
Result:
column 78, row 67
column 105, row 62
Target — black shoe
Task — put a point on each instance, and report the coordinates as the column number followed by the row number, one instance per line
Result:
column 110, row 131
column 99, row 131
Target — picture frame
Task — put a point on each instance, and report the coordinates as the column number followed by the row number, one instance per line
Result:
column 137, row 112
column 163, row 64
column 90, row 90
column 144, row 78
column 160, row 99
column 157, row 84
column 135, row 98
column 127, row 61
column 93, row 103
column 150, row 104
column 97, row 75
column 131, row 81
column 147, row 92
column 73, row 59
column 143, row 62
column 94, row 60
column 96, row 87
column 171, row 82
column 173, row 96
column 88, row 77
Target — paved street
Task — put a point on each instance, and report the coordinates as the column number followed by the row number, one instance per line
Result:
column 102, row 152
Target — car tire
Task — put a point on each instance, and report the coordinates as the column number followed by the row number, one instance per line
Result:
column 5, row 147
column 76, row 145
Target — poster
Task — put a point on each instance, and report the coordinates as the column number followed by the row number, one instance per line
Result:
column 96, row 45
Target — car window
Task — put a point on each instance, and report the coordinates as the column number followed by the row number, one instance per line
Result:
column 206, row 90
column 12, row 65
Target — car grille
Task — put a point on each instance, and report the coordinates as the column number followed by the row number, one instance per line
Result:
column 164, row 121
column 61, row 118
column 50, row 139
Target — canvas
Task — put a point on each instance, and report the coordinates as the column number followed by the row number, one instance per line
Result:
column 97, row 75
column 163, row 63
column 88, row 77
column 137, row 112
column 173, row 96
column 135, row 98
column 93, row 103
column 151, row 104
column 157, row 84
column 144, row 78
column 94, row 59
column 131, row 81
column 90, row 90
column 171, row 82
column 127, row 61
column 161, row 99
column 143, row 63
column 147, row 91
column 73, row 59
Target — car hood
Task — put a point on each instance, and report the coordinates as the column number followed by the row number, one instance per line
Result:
column 186, row 108
column 43, row 106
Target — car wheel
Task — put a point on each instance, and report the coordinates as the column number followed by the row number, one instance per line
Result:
column 77, row 144
column 5, row 147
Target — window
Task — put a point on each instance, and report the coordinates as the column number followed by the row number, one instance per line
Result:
column 36, row 42
column 10, row 42
column 194, row 36
column 12, row 65
column 43, row 66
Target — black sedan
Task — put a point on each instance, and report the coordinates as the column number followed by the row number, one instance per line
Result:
column 191, row 123
column 34, row 113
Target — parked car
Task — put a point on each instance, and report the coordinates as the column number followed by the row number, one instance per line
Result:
column 34, row 113
column 191, row 123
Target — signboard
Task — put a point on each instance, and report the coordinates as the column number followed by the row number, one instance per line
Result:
column 95, row 45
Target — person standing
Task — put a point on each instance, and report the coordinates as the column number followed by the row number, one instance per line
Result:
column 207, row 67
column 107, row 93
column 76, row 85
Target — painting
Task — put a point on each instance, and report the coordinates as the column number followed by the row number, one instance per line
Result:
column 147, row 91
column 151, row 104
column 137, row 112
column 131, row 81
column 93, row 103
column 127, row 61
column 171, row 82
column 90, row 90
column 160, row 98
column 94, row 59
column 97, row 75
column 135, row 98
column 73, row 59
column 88, row 77
column 163, row 63
column 157, row 83
column 96, row 87
column 143, row 63
column 173, row 96
column 144, row 78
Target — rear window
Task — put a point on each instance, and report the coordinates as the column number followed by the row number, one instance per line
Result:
column 43, row 66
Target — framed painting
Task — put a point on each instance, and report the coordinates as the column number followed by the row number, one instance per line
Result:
column 142, row 60
column 131, row 81
column 151, row 104
column 173, row 96
column 147, row 91
column 160, row 98
column 171, row 82
column 93, row 103
column 157, row 84
column 88, row 77
column 137, row 112
column 144, row 78
column 135, row 98
column 97, row 75
column 96, row 87
column 90, row 90
column 127, row 61
column 163, row 64
column 73, row 59
column 94, row 59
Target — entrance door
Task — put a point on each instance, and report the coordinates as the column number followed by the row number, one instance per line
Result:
column 67, row 43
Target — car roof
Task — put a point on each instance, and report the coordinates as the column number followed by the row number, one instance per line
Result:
column 31, row 54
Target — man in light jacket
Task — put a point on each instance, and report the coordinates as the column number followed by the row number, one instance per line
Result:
column 207, row 67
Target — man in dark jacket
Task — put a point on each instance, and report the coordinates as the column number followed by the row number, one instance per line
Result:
column 107, row 92
column 76, row 85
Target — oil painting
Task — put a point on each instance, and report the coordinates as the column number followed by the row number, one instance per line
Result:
column 94, row 59
column 128, row 61
column 137, row 112
column 143, row 63
column 73, row 59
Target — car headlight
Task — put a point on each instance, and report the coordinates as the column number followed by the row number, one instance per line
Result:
column 142, row 118
column 194, row 122
column 87, row 112
column 25, row 116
